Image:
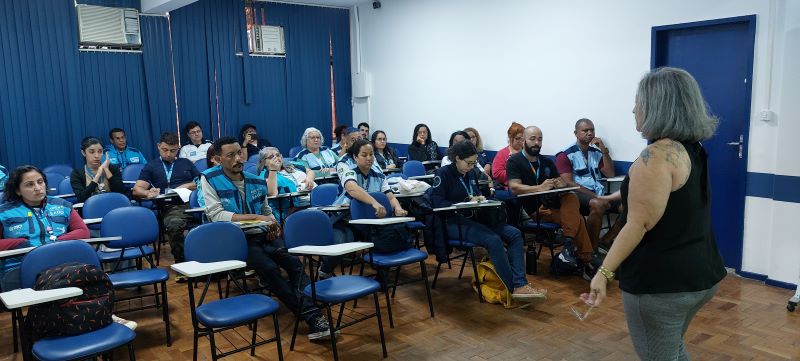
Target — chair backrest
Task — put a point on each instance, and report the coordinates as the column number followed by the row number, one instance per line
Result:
column 53, row 181
column 361, row 210
column 131, row 172
column 54, row 254
column 413, row 168
column 253, row 158
column 324, row 194
column 201, row 164
column 250, row 168
column 64, row 169
column 98, row 205
column 214, row 242
column 293, row 152
column 137, row 226
column 309, row 227
column 65, row 187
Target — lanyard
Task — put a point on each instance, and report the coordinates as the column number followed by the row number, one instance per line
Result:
column 468, row 189
column 367, row 179
column 535, row 172
column 167, row 172
column 48, row 226
column 121, row 159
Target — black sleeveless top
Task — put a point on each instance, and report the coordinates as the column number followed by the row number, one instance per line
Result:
column 680, row 253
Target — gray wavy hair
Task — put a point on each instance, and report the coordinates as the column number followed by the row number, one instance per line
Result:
column 304, row 138
column 673, row 107
column 262, row 160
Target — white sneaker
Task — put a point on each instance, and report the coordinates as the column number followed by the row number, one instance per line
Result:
column 127, row 323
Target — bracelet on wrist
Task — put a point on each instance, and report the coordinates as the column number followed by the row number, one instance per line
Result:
column 607, row 273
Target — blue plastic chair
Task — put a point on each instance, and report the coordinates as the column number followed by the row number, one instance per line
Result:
column 65, row 170
column 251, row 168
column 252, row 158
column 131, row 174
column 397, row 175
column 324, row 194
column 215, row 242
column 298, row 231
column 294, row 151
column 53, row 181
column 138, row 227
column 201, row 164
column 86, row 345
column 65, row 187
column 384, row 262
column 413, row 168
column 98, row 205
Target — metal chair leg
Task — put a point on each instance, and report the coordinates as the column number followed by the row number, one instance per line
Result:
column 424, row 271
column 380, row 324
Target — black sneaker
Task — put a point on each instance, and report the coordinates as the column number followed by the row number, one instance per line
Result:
column 319, row 329
column 567, row 254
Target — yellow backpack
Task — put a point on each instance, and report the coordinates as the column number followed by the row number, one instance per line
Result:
column 493, row 289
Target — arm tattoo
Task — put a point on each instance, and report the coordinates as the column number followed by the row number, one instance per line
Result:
column 645, row 155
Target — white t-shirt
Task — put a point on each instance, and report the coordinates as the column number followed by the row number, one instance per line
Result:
column 193, row 152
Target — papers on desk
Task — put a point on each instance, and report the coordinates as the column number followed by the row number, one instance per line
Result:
column 250, row 224
column 27, row 296
column 184, row 193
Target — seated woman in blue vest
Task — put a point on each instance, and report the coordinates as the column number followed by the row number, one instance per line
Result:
column 284, row 177
column 319, row 158
column 95, row 176
column 457, row 182
column 30, row 218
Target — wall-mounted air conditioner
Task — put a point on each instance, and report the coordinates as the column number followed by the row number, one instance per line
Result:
column 106, row 26
column 265, row 39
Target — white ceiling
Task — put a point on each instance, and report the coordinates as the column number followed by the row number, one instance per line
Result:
column 337, row 3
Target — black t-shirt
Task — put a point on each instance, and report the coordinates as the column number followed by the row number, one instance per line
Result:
column 183, row 171
column 519, row 167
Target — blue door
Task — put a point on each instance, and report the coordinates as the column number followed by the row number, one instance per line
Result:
column 719, row 54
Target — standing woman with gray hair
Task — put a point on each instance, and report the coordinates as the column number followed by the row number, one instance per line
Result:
column 319, row 158
column 665, row 256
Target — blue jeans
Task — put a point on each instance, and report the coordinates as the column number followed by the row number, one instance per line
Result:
column 504, row 244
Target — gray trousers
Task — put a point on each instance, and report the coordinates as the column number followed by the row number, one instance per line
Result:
column 657, row 322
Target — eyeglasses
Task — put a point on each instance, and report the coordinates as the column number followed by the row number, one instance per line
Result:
column 579, row 314
column 269, row 157
column 315, row 137
column 471, row 164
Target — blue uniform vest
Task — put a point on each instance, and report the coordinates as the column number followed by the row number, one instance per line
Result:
column 20, row 221
column 125, row 158
column 255, row 190
column 586, row 174
column 329, row 158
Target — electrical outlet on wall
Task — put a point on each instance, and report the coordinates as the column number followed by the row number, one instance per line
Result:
column 765, row 115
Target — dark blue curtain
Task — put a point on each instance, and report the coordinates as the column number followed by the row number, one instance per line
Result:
column 52, row 95
column 282, row 96
column 40, row 88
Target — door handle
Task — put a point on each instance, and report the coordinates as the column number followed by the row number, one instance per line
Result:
column 740, row 144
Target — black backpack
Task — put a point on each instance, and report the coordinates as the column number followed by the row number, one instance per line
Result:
column 390, row 238
column 87, row 312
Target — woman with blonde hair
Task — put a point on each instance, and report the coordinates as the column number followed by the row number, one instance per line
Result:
column 483, row 159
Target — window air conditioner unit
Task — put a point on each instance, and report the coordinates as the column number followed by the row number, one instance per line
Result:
column 266, row 39
column 106, row 26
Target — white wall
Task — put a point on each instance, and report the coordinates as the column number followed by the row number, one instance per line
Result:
column 481, row 63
